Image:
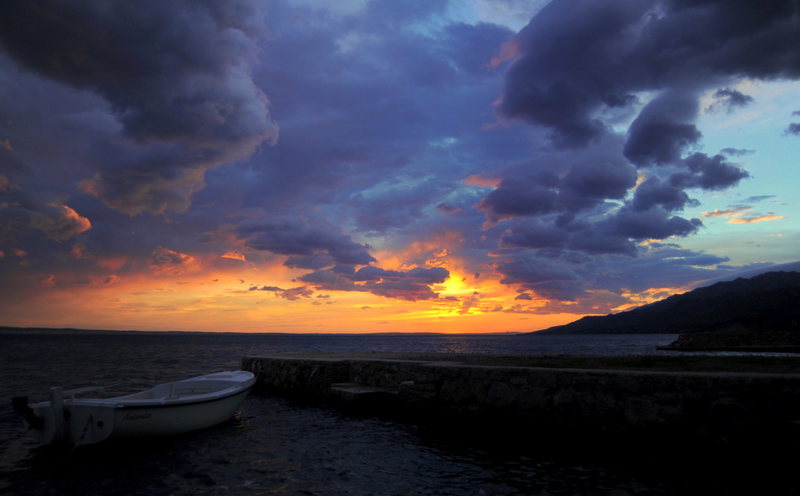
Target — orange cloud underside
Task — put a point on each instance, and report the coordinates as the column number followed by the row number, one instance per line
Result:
column 753, row 220
column 180, row 291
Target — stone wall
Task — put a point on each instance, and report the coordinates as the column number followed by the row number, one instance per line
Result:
column 608, row 400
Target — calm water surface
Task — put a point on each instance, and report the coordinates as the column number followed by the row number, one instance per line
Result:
column 275, row 446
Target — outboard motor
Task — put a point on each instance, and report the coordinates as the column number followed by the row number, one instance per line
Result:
column 22, row 407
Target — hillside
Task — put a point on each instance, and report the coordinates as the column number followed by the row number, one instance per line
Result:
column 764, row 303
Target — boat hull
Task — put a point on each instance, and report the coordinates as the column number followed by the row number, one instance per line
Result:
column 179, row 419
column 167, row 409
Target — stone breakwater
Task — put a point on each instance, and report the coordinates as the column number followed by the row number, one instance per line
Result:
column 555, row 400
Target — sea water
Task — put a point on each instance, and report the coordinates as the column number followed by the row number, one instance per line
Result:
column 277, row 446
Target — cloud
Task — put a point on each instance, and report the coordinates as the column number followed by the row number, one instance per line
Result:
column 617, row 49
column 663, row 130
column 521, row 197
column 729, row 99
column 570, row 277
column 755, row 218
column 741, row 214
column 290, row 294
column 60, row 222
column 543, row 89
column 176, row 75
column 565, row 182
column 164, row 261
column 736, row 152
column 411, row 285
column 310, row 245
column 392, row 151
column 57, row 222
column 710, row 173
column 542, row 276
column 734, row 211
column 654, row 223
column 758, row 198
column 471, row 47
column 653, row 191
column 234, row 255
column 535, row 234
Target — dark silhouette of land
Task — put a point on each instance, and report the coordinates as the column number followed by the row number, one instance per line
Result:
column 760, row 311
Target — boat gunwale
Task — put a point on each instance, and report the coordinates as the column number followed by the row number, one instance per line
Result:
column 186, row 401
column 120, row 402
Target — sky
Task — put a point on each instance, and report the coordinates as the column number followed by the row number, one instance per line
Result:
column 388, row 165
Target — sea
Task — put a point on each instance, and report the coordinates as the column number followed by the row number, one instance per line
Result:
column 278, row 446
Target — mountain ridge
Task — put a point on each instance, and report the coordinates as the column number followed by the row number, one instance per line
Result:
column 765, row 302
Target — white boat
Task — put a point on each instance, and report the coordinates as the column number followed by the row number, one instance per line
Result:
column 166, row 409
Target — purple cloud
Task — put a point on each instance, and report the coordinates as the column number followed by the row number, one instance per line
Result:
column 663, row 130
column 290, row 294
column 176, row 75
column 729, row 99
column 654, row 192
column 411, row 285
column 709, row 173
column 385, row 114
column 308, row 244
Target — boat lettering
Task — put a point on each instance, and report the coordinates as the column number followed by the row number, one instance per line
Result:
column 136, row 416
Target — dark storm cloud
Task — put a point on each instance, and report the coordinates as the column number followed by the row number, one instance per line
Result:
column 580, row 58
column 308, row 244
column 663, row 130
column 617, row 233
column 710, row 173
column 653, row 223
column 546, row 277
column 378, row 121
column 519, row 198
column 566, row 182
column 729, row 99
column 175, row 74
column 535, row 234
column 582, row 72
column 577, row 279
column 593, row 181
column 396, row 206
column 568, row 66
column 654, row 192
column 384, row 113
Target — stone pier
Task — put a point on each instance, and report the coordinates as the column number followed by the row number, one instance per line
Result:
column 552, row 399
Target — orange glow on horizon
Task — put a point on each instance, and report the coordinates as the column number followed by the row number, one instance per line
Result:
column 172, row 290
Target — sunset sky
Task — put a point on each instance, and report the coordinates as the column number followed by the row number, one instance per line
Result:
column 388, row 165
